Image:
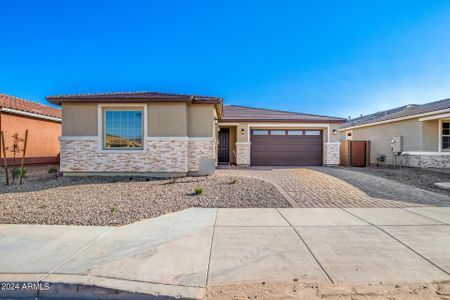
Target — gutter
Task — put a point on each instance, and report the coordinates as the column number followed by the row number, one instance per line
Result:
column 27, row 114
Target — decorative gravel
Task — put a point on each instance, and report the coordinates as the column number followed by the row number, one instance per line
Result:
column 417, row 177
column 118, row 201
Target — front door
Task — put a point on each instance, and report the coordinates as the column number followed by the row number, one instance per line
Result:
column 224, row 141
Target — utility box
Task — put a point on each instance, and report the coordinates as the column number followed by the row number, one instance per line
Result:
column 396, row 144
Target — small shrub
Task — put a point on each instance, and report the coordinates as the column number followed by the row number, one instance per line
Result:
column 198, row 191
column 17, row 172
column 52, row 170
column 44, row 206
column 113, row 209
column 234, row 181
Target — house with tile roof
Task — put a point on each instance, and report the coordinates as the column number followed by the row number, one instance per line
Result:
column 162, row 134
column 43, row 123
column 412, row 135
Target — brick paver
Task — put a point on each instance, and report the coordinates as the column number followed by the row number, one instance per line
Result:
column 336, row 187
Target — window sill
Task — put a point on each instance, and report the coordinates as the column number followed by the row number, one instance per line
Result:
column 124, row 151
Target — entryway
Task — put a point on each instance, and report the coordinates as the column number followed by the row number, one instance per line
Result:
column 224, row 145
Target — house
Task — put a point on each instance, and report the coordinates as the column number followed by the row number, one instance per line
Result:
column 44, row 128
column 171, row 134
column 420, row 134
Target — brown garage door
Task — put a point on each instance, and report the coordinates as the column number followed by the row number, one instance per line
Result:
column 282, row 147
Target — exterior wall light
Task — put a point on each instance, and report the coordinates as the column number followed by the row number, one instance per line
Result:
column 334, row 131
column 242, row 131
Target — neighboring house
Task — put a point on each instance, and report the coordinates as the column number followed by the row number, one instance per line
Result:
column 170, row 134
column 44, row 128
column 423, row 131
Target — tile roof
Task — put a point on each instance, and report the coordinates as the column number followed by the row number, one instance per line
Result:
column 399, row 112
column 28, row 106
column 244, row 113
column 132, row 96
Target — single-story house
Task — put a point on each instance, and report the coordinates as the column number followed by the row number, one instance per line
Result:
column 413, row 135
column 163, row 134
column 44, row 128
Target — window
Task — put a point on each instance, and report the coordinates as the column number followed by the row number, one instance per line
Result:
column 123, row 129
column 295, row 132
column 260, row 132
column 278, row 132
column 312, row 132
column 445, row 135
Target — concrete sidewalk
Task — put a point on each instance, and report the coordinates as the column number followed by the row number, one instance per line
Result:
column 181, row 254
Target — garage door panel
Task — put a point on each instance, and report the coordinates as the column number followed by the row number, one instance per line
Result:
column 287, row 162
column 286, row 150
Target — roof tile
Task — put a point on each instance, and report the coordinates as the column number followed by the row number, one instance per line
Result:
column 244, row 113
column 28, row 106
column 399, row 112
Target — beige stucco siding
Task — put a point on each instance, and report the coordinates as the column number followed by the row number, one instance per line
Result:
column 242, row 138
column 430, row 135
column 380, row 137
column 201, row 120
column 167, row 119
column 79, row 119
column 333, row 137
column 163, row 119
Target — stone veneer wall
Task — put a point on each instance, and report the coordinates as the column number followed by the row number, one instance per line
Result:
column 426, row 160
column 178, row 156
column 242, row 153
column 198, row 149
column 331, row 153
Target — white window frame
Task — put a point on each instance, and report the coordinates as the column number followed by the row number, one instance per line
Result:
column 100, row 119
column 441, row 134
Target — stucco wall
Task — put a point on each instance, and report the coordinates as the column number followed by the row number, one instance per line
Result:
column 79, row 119
column 167, row 119
column 164, row 120
column 201, row 120
column 42, row 135
column 380, row 137
column 430, row 135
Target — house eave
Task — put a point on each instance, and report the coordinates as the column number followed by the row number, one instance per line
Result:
column 415, row 116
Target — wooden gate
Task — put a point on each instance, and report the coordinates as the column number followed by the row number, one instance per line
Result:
column 355, row 153
column 358, row 154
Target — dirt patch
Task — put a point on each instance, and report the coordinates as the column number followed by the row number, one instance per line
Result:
column 118, row 201
column 311, row 291
column 421, row 178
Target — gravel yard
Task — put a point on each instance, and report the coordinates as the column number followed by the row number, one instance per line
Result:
column 118, row 201
column 417, row 177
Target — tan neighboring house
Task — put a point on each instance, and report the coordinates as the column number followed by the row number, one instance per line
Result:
column 419, row 134
column 43, row 123
column 170, row 134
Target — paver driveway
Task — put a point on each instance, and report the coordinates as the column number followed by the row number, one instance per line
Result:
column 336, row 187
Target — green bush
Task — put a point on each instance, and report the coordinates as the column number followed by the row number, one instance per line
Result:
column 234, row 181
column 113, row 209
column 17, row 172
column 52, row 170
column 198, row 191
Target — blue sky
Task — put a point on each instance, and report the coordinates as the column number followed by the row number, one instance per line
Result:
column 335, row 58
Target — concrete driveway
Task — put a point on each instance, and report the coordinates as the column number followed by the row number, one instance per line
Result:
column 182, row 254
column 319, row 187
